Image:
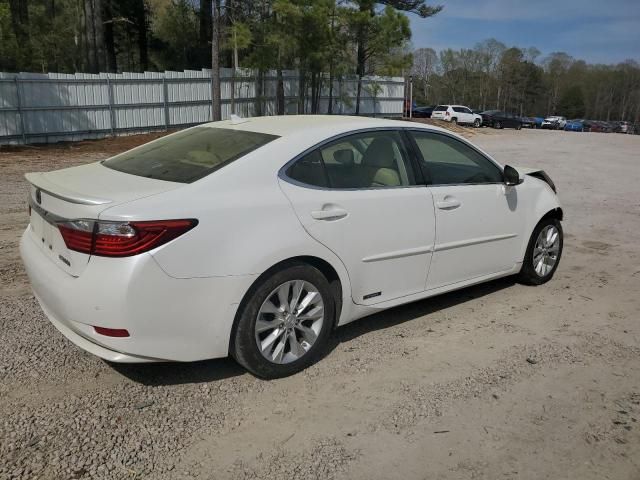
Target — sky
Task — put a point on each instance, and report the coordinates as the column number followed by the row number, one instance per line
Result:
column 597, row 31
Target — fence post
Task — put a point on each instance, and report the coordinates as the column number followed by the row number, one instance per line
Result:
column 165, row 101
column 112, row 119
column 19, row 105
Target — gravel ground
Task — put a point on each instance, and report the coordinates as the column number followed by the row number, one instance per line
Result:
column 495, row 381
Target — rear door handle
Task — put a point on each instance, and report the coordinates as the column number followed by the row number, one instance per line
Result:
column 449, row 203
column 329, row 214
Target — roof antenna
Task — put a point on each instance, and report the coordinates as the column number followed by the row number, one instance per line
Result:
column 237, row 119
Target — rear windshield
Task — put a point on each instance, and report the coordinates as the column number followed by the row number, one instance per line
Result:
column 440, row 108
column 188, row 155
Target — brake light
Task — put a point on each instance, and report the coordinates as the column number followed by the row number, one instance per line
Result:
column 121, row 239
column 447, row 114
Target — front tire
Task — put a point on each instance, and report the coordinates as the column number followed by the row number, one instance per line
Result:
column 519, row 126
column 543, row 252
column 284, row 323
column 497, row 125
column 476, row 123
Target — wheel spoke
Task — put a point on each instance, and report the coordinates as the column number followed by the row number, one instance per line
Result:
column 269, row 307
column 278, row 352
column 313, row 314
column 268, row 341
column 310, row 298
column 296, row 349
column 283, row 295
column 298, row 285
column 264, row 325
column 308, row 333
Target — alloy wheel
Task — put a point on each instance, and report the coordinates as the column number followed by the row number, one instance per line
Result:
column 546, row 250
column 289, row 321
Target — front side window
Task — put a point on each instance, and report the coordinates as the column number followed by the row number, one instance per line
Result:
column 188, row 155
column 365, row 160
column 448, row 161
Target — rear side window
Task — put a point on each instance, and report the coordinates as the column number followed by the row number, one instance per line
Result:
column 365, row 160
column 448, row 161
column 440, row 108
column 188, row 155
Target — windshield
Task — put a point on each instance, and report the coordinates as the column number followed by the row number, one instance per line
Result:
column 188, row 155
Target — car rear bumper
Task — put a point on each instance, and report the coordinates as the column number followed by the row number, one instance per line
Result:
column 168, row 319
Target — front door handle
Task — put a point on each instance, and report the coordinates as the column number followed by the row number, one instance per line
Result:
column 448, row 203
column 329, row 214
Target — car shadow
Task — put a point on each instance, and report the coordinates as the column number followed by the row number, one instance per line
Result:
column 163, row 374
column 415, row 310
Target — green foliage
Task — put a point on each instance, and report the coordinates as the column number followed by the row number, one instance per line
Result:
column 175, row 28
column 572, row 103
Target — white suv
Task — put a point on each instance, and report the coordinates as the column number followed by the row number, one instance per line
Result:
column 456, row 114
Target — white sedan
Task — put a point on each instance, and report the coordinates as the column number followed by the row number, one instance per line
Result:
column 257, row 237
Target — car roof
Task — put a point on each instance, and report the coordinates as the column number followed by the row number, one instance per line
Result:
column 325, row 125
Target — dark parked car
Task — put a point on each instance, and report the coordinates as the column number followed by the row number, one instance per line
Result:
column 500, row 119
column 422, row 112
column 528, row 122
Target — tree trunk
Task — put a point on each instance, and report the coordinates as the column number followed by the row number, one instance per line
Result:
column 206, row 22
column 112, row 61
column 330, row 106
column 233, row 74
column 279, row 91
column 94, row 35
column 314, row 87
column 141, row 24
column 259, row 92
column 216, row 108
column 302, row 86
column 20, row 20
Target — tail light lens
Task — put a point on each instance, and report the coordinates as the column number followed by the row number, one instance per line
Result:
column 121, row 239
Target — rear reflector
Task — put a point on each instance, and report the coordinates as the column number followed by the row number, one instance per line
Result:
column 112, row 332
column 121, row 239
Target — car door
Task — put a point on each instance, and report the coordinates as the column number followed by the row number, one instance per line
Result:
column 360, row 197
column 479, row 222
column 468, row 115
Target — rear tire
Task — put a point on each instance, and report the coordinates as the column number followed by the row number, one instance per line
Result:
column 519, row 126
column 543, row 253
column 454, row 120
column 297, row 340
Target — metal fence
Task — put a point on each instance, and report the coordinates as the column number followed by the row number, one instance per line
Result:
column 47, row 108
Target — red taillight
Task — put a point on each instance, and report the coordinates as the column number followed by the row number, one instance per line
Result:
column 112, row 332
column 121, row 239
column 447, row 114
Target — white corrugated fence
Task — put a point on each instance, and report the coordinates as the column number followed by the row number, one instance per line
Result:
column 47, row 108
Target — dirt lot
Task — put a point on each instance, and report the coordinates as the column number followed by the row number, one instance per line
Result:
column 496, row 381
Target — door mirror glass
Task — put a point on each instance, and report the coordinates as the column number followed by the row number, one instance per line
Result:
column 511, row 176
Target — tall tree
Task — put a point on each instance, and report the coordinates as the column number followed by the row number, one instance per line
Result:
column 365, row 29
column 216, row 107
column 94, row 36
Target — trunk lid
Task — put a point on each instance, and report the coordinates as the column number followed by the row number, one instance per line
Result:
column 80, row 193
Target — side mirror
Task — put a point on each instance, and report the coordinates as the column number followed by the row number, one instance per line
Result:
column 511, row 176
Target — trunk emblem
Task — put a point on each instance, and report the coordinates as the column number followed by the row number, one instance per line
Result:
column 38, row 196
